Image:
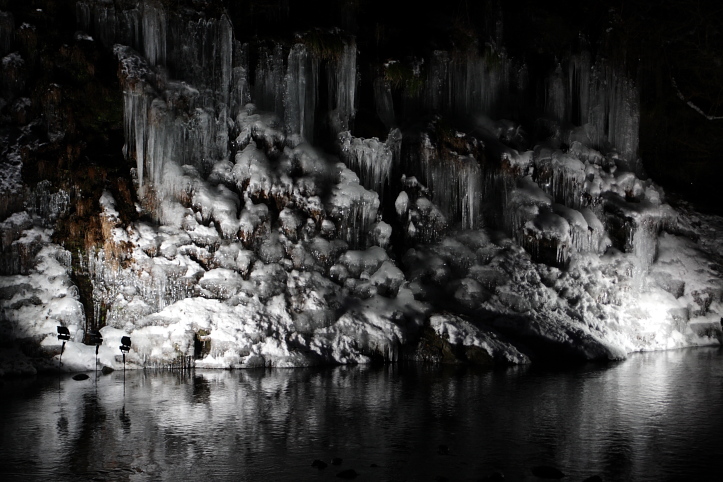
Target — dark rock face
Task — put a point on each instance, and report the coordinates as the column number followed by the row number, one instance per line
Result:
column 434, row 349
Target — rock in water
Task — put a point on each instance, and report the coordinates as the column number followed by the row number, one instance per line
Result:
column 495, row 476
column 547, row 472
column 80, row 376
column 347, row 474
column 319, row 464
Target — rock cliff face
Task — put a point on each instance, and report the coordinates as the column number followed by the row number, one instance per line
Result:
column 220, row 200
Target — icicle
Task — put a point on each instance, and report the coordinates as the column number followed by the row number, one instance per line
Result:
column 555, row 98
column 353, row 208
column 240, row 93
column 596, row 231
column 135, row 123
column 46, row 204
column 523, row 200
column 160, row 140
column 371, row 159
column 437, row 97
column 104, row 23
column 479, row 83
column 342, row 88
column 301, row 92
column 384, row 103
column 269, row 80
column 83, row 15
column 455, row 182
column 562, row 176
column 614, row 112
column 578, row 77
column 154, row 34
column 130, row 28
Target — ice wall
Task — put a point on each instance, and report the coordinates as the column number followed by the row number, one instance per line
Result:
column 578, row 92
column 252, row 222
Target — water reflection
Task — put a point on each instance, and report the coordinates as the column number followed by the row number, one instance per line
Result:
column 654, row 417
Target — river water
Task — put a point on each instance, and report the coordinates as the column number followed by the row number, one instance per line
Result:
column 656, row 416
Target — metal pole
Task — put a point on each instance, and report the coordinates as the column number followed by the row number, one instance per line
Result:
column 62, row 349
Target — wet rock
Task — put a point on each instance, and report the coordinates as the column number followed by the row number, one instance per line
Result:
column 664, row 280
column 80, row 376
column 547, row 472
column 255, row 361
column 319, row 464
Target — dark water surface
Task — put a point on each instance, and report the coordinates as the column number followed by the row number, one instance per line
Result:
column 656, row 416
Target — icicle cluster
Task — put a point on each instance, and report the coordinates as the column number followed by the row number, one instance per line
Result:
column 371, row 159
column 600, row 98
column 454, row 180
column 422, row 221
column 49, row 205
column 169, row 125
column 353, row 208
column 460, row 84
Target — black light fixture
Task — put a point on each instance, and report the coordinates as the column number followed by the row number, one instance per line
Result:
column 63, row 335
column 125, row 348
column 95, row 338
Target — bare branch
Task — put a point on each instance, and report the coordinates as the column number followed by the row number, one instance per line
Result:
column 692, row 105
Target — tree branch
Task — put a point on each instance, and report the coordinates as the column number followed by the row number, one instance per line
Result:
column 692, row 105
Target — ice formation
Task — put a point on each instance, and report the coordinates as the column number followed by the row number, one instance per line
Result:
column 371, row 159
column 257, row 248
